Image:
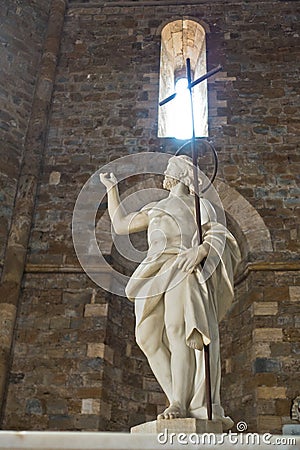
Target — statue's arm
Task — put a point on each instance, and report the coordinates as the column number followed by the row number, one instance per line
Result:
column 192, row 257
column 123, row 223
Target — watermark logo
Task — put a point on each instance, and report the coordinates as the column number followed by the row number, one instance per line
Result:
column 241, row 426
column 171, row 438
column 94, row 236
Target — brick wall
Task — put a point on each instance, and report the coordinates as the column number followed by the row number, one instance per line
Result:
column 22, row 35
column 129, row 386
column 267, row 312
column 62, row 373
column 105, row 106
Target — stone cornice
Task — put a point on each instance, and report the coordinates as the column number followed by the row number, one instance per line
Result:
column 158, row 3
column 283, row 266
column 270, row 266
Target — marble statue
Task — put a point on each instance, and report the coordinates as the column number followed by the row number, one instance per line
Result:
column 295, row 412
column 177, row 307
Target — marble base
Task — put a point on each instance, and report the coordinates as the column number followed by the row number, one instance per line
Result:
column 68, row 440
column 188, row 425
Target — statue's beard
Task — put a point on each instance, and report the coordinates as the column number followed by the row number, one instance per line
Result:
column 169, row 183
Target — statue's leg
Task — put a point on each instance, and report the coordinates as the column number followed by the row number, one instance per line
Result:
column 149, row 337
column 182, row 356
column 198, row 404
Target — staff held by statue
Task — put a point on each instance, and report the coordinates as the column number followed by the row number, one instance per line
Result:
column 194, row 152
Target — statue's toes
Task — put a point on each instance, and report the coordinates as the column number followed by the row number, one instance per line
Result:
column 170, row 413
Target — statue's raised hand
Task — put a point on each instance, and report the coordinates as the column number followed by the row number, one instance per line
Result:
column 108, row 179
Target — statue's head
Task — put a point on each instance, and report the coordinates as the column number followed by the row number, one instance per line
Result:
column 180, row 169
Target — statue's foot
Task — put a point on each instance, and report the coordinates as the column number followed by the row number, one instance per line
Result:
column 227, row 423
column 195, row 340
column 172, row 412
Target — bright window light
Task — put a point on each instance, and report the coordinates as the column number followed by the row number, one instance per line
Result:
column 179, row 39
column 182, row 115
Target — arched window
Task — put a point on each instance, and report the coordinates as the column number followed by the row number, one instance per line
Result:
column 182, row 39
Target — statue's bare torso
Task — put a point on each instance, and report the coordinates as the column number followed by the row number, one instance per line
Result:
column 171, row 223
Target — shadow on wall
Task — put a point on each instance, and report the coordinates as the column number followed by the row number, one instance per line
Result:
column 246, row 225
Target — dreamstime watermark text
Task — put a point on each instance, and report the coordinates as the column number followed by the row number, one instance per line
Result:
column 240, row 438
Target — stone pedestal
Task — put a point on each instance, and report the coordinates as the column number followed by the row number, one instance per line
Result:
column 188, row 425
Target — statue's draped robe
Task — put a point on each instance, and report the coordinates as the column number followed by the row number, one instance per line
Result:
column 207, row 294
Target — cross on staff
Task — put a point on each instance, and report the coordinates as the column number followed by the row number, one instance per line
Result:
column 191, row 84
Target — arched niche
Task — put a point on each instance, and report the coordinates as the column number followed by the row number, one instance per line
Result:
column 244, row 221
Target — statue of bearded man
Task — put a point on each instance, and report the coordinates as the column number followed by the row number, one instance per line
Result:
column 177, row 303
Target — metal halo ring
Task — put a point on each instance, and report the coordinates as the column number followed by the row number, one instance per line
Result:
column 215, row 156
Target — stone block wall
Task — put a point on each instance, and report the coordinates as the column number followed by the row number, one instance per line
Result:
column 27, row 184
column 261, row 337
column 105, row 106
column 129, row 388
column 59, row 355
column 23, row 26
